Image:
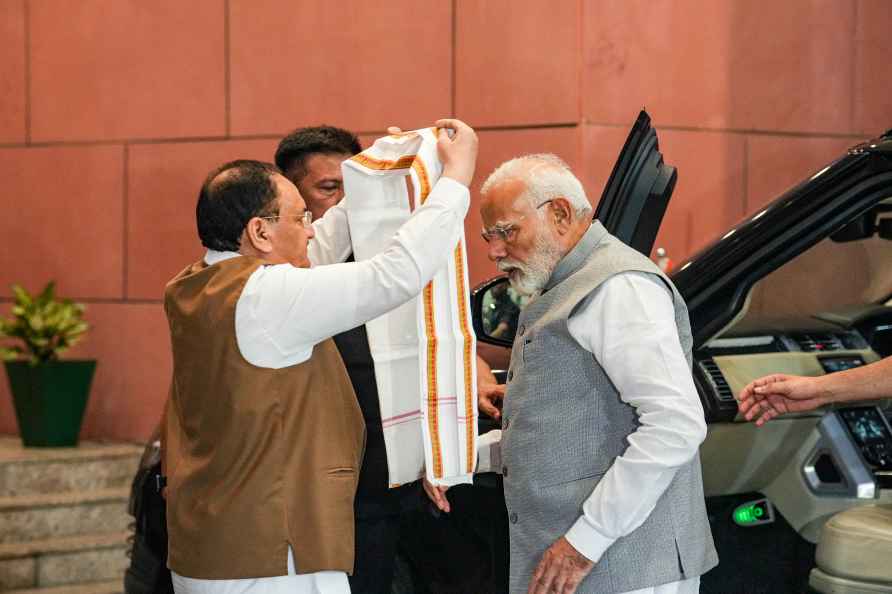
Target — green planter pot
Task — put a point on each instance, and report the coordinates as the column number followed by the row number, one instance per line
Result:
column 50, row 400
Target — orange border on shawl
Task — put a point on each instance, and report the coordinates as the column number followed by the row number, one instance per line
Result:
column 383, row 165
column 468, row 371
column 430, row 331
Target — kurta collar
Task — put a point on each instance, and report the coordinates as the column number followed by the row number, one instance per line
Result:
column 214, row 257
column 576, row 257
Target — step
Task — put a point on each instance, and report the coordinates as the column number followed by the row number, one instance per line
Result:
column 106, row 587
column 66, row 560
column 37, row 517
column 90, row 465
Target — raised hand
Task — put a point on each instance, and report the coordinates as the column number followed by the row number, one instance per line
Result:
column 458, row 153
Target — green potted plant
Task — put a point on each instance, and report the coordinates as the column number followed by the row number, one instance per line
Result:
column 49, row 395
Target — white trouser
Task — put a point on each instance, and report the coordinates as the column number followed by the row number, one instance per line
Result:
column 322, row 582
column 690, row 586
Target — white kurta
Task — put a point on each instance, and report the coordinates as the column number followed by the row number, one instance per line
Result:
column 630, row 317
column 283, row 312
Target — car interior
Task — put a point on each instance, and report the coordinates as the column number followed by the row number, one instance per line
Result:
column 827, row 310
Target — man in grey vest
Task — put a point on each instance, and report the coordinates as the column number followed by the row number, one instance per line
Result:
column 601, row 423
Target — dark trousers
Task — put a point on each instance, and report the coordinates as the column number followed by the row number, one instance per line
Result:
column 377, row 535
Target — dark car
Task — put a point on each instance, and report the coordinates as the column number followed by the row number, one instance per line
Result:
column 802, row 287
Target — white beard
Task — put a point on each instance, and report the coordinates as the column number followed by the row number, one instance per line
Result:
column 529, row 278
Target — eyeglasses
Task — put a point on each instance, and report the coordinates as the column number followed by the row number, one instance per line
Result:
column 305, row 218
column 507, row 233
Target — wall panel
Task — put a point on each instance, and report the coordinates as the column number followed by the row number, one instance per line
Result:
column 12, row 71
column 353, row 64
column 709, row 196
column 61, row 218
column 777, row 163
column 516, row 62
column 126, row 69
column 732, row 64
column 873, row 51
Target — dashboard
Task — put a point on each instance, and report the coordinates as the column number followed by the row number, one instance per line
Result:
column 810, row 465
column 825, row 343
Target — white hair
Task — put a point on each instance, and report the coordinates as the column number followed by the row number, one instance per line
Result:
column 545, row 176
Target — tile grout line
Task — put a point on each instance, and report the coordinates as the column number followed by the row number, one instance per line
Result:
column 580, row 58
column 27, row 15
column 227, row 75
column 503, row 128
column 125, row 192
column 452, row 55
column 854, row 57
column 743, row 131
column 580, row 79
column 746, row 168
column 101, row 300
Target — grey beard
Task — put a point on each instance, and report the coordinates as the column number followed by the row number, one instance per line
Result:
column 529, row 278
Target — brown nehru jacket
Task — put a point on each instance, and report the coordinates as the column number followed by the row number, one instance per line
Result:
column 256, row 458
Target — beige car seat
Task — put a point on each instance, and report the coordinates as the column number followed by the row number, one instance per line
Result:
column 854, row 555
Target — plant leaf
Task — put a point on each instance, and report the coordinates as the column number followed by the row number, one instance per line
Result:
column 46, row 325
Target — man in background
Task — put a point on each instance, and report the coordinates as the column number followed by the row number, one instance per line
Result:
column 311, row 159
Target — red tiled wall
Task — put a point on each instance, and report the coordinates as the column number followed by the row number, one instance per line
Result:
column 112, row 112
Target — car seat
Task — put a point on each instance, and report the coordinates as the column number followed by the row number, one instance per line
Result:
column 854, row 555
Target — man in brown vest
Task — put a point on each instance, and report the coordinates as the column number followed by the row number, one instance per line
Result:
column 263, row 435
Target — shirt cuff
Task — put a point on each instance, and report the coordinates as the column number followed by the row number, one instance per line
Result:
column 450, row 185
column 489, row 458
column 588, row 541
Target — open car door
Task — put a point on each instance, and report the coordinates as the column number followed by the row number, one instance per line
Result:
column 638, row 191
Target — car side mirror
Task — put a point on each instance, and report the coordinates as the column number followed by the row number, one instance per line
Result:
column 496, row 309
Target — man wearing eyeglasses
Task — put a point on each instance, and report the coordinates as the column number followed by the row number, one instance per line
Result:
column 602, row 422
column 263, row 435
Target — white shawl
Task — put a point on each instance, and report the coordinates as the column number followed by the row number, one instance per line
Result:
column 423, row 351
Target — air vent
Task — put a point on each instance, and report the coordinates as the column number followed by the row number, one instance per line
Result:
column 819, row 343
column 722, row 389
column 746, row 345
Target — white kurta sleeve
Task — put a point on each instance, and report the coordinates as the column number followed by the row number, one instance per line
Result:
column 628, row 324
column 489, row 452
column 284, row 311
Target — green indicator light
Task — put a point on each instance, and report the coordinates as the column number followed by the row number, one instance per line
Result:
column 753, row 513
column 747, row 515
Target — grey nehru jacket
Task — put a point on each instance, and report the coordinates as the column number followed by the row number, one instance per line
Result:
column 564, row 424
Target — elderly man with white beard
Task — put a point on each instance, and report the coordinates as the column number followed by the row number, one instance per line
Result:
column 601, row 422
